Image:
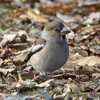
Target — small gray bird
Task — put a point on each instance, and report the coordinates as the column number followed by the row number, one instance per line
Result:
column 51, row 55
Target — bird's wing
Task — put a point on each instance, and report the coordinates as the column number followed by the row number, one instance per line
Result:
column 39, row 44
column 35, row 49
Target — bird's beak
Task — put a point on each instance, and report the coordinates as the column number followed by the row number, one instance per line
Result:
column 65, row 31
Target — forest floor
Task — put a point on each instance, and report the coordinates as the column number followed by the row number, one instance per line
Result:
column 21, row 23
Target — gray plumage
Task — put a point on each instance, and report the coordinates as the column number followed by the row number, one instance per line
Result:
column 55, row 51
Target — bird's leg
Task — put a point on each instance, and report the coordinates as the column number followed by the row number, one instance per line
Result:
column 20, row 80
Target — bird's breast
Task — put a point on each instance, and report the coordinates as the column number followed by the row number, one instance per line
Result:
column 51, row 57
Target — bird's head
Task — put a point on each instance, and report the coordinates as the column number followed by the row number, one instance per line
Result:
column 52, row 30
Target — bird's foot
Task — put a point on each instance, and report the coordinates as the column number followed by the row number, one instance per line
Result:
column 41, row 77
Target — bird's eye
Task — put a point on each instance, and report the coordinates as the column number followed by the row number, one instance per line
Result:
column 58, row 29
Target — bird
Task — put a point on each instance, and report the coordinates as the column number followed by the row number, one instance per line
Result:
column 54, row 52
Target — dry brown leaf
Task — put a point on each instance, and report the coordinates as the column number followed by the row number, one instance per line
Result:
column 36, row 17
column 90, row 61
column 57, row 7
column 7, row 38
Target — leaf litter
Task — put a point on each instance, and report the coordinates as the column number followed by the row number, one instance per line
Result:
column 20, row 25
